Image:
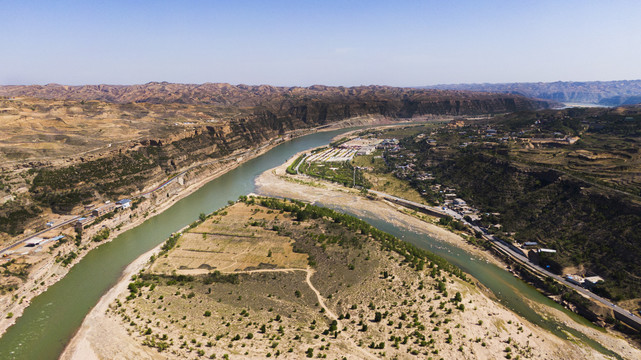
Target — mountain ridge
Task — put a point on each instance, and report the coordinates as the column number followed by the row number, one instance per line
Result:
column 606, row 93
column 224, row 94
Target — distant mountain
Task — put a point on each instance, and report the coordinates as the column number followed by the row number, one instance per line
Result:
column 608, row 93
column 328, row 102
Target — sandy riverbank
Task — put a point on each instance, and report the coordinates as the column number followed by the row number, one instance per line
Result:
column 105, row 336
column 89, row 341
column 49, row 272
column 277, row 182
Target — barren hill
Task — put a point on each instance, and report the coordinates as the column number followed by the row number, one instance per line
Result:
column 108, row 140
column 220, row 94
column 358, row 293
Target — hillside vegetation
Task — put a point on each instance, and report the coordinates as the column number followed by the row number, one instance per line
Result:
column 359, row 293
column 581, row 199
column 65, row 146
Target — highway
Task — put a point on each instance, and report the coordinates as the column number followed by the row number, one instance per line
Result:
column 20, row 242
column 621, row 314
column 233, row 156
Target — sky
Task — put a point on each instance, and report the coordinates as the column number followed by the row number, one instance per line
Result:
column 306, row 42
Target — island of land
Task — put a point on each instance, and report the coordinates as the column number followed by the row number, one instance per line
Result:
column 79, row 165
column 274, row 278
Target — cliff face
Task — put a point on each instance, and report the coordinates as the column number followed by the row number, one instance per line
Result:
column 178, row 125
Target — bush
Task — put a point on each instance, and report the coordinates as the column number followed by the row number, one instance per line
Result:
column 378, row 316
column 102, row 235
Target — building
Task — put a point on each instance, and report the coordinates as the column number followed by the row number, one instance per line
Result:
column 590, row 281
column 124, row 203
column 34, row 242
column 80, row 223
column 549, row 251
column 59, row 237
column 575, row 279
column 456, row 124
column 530, row 244
column 459, row 202
column 107, row 208
column 366, row 150
column 387, row 143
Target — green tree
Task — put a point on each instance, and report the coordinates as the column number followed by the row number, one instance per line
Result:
column 378, row 316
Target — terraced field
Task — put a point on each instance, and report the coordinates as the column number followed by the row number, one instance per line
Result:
column 235, row 241
column 341, row 293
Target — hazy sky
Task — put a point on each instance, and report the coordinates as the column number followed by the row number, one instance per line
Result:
column 400, row 43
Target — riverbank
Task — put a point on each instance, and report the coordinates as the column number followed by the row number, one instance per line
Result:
column 277, row 182
column 484, row 328
column 96, row 325
column 49, row 272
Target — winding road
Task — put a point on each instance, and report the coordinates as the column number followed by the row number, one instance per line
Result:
column 621, row 314
column 233, row 156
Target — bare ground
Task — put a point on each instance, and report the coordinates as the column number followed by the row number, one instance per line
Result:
column 92, row 340
column 276, row 182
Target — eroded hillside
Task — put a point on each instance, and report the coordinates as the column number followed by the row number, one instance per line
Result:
column 91, row 143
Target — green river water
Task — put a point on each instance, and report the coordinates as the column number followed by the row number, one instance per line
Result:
column 53, row 317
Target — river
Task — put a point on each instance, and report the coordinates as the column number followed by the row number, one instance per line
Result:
column 511, row 291
column 51, row 320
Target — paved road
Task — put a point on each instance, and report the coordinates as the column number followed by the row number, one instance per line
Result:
column 622, row 314
column 233, row 156
column 300, row 162
column 442, row 211
column 20, row 242
column 629, row 317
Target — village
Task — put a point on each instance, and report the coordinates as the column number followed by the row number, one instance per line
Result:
column 442, row 200
column 62, row 228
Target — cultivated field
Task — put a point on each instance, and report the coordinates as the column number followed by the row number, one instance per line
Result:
column 361, row 295
column 231, row 242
